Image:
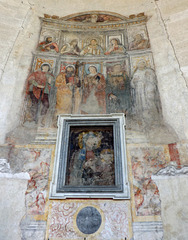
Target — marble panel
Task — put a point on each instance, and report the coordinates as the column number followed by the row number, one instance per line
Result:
column 115, row 220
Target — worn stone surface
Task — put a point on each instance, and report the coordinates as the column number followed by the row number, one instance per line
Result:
column 171, row 183
column 183, row 153
column 4, row 166
column 35, row 161
column 31, row 229
column 12, row 204
column 88, row 220
column 148, row 231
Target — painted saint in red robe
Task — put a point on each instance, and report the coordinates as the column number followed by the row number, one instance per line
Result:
column 38, row 88
column 94, row 100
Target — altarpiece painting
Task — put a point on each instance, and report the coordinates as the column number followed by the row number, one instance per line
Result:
column 90, row 157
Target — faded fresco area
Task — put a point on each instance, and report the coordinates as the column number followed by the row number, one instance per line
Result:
column 81, row 66
column 95, row 18
column 92, row 64
column 118, row 92
column 92, row 70
column 146, row 161
column 35, row 161
column 91, row 157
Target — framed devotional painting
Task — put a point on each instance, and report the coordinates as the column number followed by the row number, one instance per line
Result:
column 90, row 159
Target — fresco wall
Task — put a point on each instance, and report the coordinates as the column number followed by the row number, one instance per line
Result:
column 92, row 64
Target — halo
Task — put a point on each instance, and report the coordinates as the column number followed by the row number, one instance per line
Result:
column 70, row 65
column 49, row 37
column 142, row 60
column 93, row 66
column 45, row 63
column 74, row 40
column 117, row 39
column 94, row 39
column 117, row 64
column 84, row 135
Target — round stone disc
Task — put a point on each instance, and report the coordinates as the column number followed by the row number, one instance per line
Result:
column 88, row 220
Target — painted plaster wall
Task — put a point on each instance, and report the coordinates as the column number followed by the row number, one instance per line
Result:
column 21, row 28
column 42, row 216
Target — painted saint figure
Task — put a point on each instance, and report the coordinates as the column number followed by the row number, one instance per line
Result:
column 48, row 45
column 38, row 88
column 118, row 90
column 146, row 102
column 68, row 91
column 139, row 42
column 115, row 47
column 92, row 49
column 71, row 48
column 93, row 100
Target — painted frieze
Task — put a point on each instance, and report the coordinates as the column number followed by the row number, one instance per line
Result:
column 95, row 18
column 36, row 194
column 40, row 92
column 68, row 89
column 145, row 95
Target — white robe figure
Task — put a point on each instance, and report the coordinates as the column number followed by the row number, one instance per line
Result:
column 146, row 102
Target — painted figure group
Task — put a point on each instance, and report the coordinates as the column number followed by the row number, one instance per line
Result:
column 82, row 88
column 93, row 48
column 72, row 48
column 94, row 94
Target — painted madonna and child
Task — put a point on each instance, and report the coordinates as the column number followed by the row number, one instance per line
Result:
column 91, row 157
